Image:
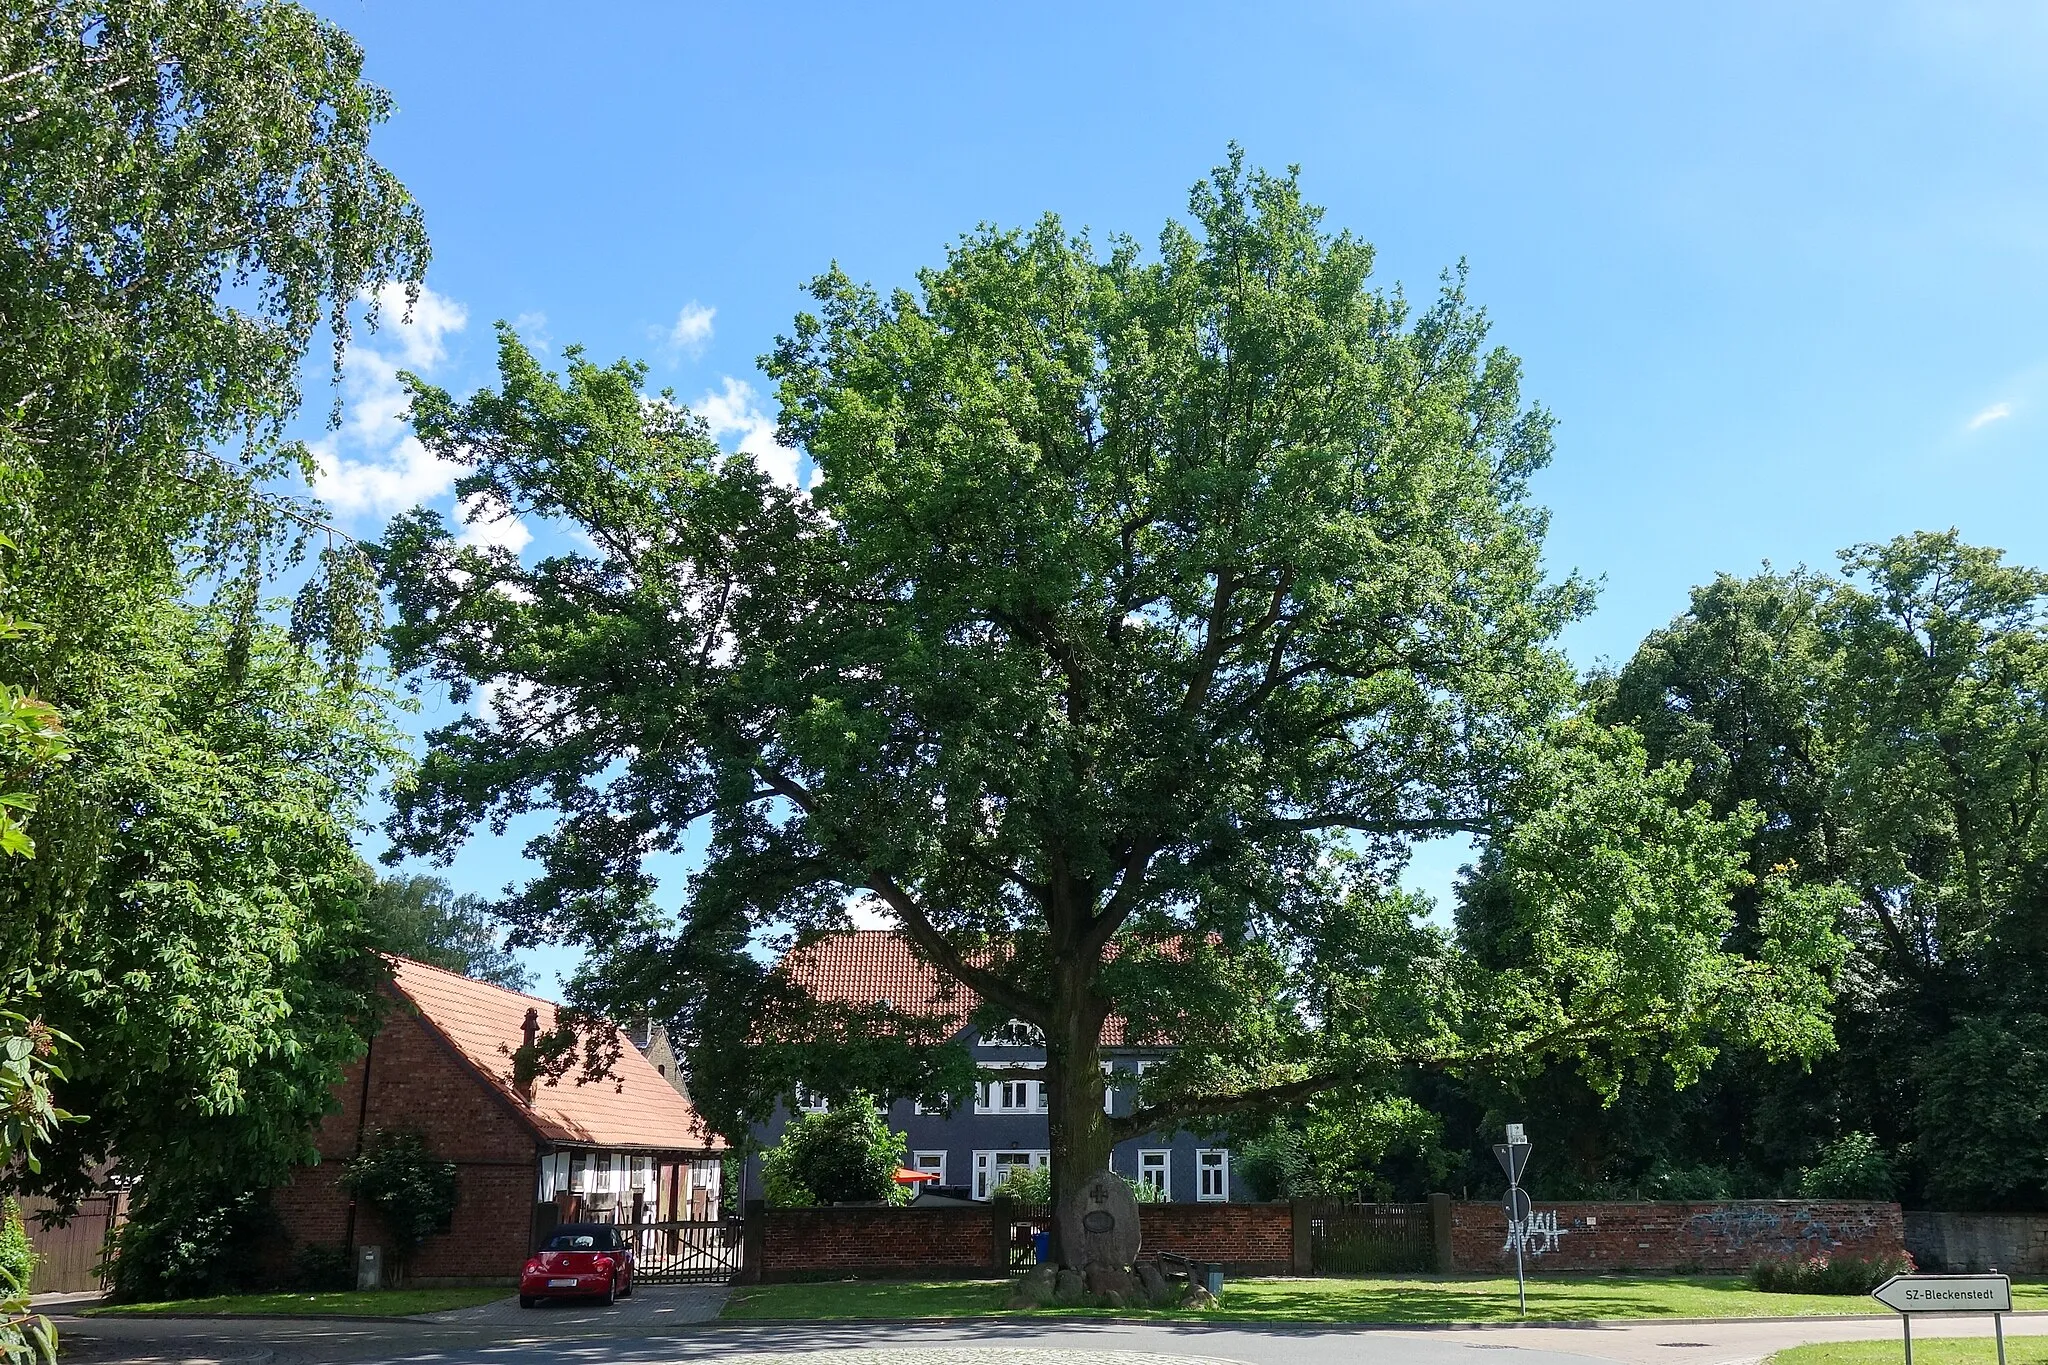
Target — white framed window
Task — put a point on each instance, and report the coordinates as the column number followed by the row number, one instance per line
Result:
column 1108, row 1091
column 920, row 1107
column 1010, row 1097
column 935, row 1162
column 993, row 1169
column 1156, row 1169
column 810, row 1101
column 1212, row 1173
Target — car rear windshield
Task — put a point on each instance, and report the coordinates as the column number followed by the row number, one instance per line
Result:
column 583, row 1241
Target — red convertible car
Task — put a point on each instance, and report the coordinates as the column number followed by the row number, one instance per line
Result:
column 579, row 1260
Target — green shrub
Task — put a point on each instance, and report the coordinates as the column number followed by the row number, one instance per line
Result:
column 188, row 1242
column 1828, row 1274
column 17, row 1253
column 1032, row 1189
column 412, row 1190
column 847, row 1155
column 1853, row 1168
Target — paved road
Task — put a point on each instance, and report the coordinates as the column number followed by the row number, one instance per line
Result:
column 491, row 1336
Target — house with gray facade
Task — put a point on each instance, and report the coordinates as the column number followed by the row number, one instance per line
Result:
column 974, row 1148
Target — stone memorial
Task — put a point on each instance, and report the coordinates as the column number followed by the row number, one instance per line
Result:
column 1098, row 1224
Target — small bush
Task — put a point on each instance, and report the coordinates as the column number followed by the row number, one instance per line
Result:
column 846, row 1155
column 17, row 1253
column 186, row 1241
column 412, row 1190
column 1828, row 1274
column 1032, row 1189
column 1853, row 1168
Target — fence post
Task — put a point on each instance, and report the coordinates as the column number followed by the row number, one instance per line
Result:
column 1304, row 1242
column 1002, row 1210
column 1440, row 1233
column 754, row 1243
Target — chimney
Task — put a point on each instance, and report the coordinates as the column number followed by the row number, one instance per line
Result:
column 526, row 1062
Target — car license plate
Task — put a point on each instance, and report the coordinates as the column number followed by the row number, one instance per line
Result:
column 561, row 1284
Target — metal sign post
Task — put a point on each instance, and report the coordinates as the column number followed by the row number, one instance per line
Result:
column 1910, row 1294
column 1514, row 1159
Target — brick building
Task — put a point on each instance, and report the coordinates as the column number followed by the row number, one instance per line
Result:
column 627, row 1149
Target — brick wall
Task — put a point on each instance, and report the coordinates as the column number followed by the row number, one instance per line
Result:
column 417, row 1081
column 1675, row 1236
column 878, row 1243
column 1249, row 1239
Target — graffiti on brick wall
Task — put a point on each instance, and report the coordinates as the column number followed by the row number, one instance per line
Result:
column 1539, row 1232
column 1786, row 1231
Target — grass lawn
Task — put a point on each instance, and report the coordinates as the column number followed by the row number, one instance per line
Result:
column 350, row 1303
column 1553, row 1298
column 2028, row 1350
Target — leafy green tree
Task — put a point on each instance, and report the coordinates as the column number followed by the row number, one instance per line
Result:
column 421, row 917
column 195, row 917
column 1344, row 1146
column 190, row 202
column 1143, row 612
column 412, row 1190
column 846, row 1154
column 1890, row 726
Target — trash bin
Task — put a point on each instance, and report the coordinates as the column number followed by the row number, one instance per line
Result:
column 1041, row 1246
column 1212, row 1279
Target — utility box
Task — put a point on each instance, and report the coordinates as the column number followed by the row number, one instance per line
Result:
column 369, row 1267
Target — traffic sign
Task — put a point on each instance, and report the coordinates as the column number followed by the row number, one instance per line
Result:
column 1946, row 1294
column 1514, row 1159
column 1516, row 1202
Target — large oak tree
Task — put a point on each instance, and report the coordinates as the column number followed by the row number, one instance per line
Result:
column 1144, row 610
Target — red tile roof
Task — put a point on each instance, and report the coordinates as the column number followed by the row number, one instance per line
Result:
column 635, row 1107
column 863, row 967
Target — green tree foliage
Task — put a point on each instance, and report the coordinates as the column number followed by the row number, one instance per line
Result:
column 1142, row 614
column 1853, row 1168
column 189, row 202
column 412, row 1190
column 1891, row 726
column 1345, row 1145
column 196, row 920
column 190, row 1240
column 846, row 1154
column 421, row 917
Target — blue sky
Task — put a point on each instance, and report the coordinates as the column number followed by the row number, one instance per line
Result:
column 1778, row 270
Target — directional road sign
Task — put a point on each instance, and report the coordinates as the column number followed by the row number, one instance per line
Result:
column 1514, row 1159
column 1516, row 1202
column 1946, row 1293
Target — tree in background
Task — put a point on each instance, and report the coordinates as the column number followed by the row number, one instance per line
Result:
column 1892, row 727
column 846, row 1154
column 421, row 917
column 1141, row 616
column 190, row 200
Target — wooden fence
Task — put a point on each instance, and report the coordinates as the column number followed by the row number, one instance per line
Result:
column 68, row 1254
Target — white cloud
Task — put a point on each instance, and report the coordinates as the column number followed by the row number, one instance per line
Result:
column 388, row 481
column 533, row 330
column 374, row 465
column 491, row 525
column 733, row 411
column 692, row 331
column 1995, row 413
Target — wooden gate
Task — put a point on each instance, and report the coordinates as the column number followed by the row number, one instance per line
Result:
column 68, row 1255
column 687, row 1252
column 1365, row 1238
